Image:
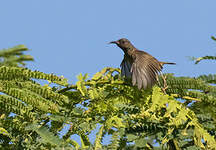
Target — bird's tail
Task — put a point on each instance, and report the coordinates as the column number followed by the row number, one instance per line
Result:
column 169, row 63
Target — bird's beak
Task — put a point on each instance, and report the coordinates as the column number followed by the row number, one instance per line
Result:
column 114, row 42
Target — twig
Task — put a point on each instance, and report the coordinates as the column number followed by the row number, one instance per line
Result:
column 165, row 86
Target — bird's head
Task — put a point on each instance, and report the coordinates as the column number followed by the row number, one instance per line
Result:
column 124, row 44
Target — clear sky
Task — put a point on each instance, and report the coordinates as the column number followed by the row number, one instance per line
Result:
column 68, row 37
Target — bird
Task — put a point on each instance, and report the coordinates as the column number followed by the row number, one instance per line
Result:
column 138, row 65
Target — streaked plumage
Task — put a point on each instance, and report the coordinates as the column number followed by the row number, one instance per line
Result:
column 139, row 65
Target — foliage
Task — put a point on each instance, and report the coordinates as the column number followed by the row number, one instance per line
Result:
column 24, row 102
column 34, row 115
column 197, row 60
column 14, row 56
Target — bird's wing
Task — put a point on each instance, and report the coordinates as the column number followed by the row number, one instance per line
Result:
column 126, row 67
column 144, row 70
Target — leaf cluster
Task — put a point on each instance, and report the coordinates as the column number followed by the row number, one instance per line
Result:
column 43, row 111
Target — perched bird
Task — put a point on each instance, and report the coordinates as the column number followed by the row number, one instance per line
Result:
column 139, row 65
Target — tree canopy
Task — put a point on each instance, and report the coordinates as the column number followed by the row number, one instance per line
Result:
column 177, row 113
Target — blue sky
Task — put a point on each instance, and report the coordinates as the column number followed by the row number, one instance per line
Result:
column 68, row 37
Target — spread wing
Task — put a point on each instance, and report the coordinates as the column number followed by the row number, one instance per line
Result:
column 144, row 70
column 126, row 67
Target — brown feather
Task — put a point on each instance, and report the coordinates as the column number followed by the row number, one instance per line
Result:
column 139, row 65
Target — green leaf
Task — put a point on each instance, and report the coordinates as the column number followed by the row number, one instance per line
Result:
column 3, row 131
column 141, row 142
column 131, row 137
